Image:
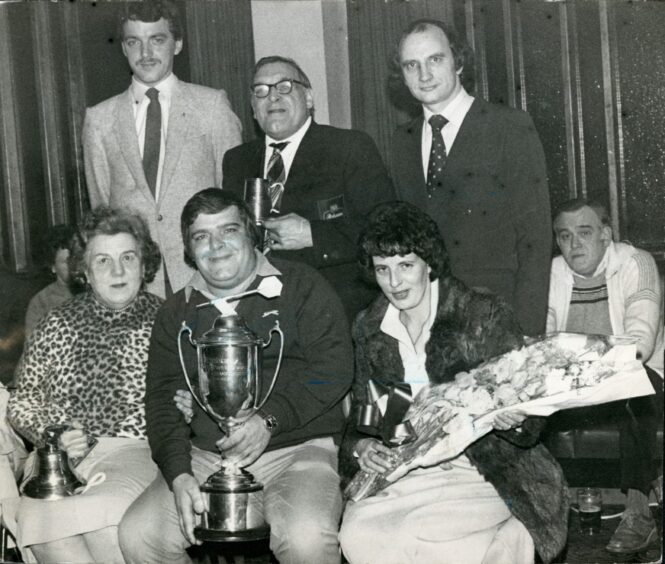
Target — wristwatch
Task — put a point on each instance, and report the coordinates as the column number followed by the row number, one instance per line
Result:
column 270, row 421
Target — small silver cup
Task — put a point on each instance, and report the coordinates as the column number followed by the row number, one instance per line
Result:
column 257, row 197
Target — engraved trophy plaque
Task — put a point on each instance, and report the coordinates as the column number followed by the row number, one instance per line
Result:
column 229, row 382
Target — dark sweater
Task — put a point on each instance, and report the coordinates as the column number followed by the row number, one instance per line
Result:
column 316, row 371
column 471, row 327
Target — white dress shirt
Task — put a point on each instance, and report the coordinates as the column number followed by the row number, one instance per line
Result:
column 289, row 152
column 455, row 112
column 140, row 108
column 412, row 354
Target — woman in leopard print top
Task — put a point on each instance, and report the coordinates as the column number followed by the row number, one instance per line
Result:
column 85, row 365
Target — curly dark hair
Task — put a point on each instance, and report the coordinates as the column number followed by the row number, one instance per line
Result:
column 212, row 201
column 462, row 53
column 151, row 11
column 105, row 220
column 400, row 228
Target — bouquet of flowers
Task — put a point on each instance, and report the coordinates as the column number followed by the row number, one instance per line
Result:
column 558, row 371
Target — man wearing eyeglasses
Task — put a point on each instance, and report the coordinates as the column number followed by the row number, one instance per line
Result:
column 325, row 179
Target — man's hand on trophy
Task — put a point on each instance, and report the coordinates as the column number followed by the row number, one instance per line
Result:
column 185, row 404
column 246, row 442
column 188, row 502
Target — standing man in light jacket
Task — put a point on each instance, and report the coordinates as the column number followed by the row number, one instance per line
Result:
column 162, row 140
column 598, row 286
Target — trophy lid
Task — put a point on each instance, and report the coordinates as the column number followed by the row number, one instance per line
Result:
column 228, row 330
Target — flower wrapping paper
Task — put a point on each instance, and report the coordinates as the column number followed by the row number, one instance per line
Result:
column 555, row 372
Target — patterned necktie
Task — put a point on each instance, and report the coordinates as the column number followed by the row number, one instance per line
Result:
column 437, row 155
column 276, row 173
column 153, row 139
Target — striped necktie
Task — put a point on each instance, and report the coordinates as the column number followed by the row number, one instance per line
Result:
column 276, row 171
column 276, row 174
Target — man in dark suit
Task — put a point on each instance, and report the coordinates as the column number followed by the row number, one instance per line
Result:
column 478, row 169
column 331, row 178
column 153, row 154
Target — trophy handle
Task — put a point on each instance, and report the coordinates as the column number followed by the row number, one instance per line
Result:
column 185, row 329
column 275, row 329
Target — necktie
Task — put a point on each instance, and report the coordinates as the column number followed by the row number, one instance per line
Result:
column 437, row 155
column 153, row 138
column 276, row 176
column 276, row 173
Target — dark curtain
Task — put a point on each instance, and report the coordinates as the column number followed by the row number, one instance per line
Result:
column 221, row 51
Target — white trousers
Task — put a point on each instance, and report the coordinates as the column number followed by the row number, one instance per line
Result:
column 436, row 516
column 302, row 503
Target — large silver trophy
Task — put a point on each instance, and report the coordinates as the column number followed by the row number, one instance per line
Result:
column 229, row 386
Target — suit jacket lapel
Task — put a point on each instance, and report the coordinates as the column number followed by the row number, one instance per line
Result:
column 469, row 135
column 413, row 160
column 257, row 158
column 306, row 156
column 179, row 123
column 128, row 142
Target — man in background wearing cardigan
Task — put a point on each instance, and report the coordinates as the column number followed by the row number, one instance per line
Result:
column 599, row 286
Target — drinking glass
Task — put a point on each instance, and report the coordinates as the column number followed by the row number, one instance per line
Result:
column 590, row 504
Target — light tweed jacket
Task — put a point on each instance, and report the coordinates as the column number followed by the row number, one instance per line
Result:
column 202, row 127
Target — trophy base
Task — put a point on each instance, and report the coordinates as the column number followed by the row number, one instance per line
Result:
column 212, row 535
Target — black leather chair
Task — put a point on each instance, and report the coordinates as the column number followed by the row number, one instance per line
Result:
column 585, row 441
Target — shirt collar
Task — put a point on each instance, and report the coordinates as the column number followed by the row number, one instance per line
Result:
column 456, row 111
column 392, row 326
column 264, row 268
column 165, row 87
column 295, row 139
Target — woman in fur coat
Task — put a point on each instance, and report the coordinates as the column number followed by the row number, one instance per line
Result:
column 505, row 495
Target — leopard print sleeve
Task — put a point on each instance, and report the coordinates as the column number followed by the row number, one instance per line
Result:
column 30, row 408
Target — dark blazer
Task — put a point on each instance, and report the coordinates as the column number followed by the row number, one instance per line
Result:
column 493, row 210
column 469, row 328
column 336, row 178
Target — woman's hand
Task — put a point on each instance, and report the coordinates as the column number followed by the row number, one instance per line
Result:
column 508, row 420
column 373, row 456
column 185, row 404
column 74, row 442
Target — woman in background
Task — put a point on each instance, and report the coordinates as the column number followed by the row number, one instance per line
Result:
column 58, row 292
column 84, row 365
column 505, row 493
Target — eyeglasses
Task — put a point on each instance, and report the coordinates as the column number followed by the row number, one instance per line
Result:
column 282, row 87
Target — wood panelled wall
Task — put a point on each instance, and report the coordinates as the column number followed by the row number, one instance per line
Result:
column 57, row 58
column 590, row 72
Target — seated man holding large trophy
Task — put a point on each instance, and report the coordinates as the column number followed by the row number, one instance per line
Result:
column 265, row 349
